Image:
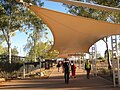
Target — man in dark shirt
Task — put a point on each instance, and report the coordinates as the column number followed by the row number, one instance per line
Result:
column 66, row 67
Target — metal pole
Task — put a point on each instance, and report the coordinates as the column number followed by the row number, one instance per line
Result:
column 79, row 62
column 94, row 52
column 40, row 65
column 23, row 70
column 115, row 60
column 95, row 58
column 118, row 72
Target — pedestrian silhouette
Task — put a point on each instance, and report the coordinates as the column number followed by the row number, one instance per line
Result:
column 88, row 68
column 58, row 65
column 73, row 69
column 66, row 70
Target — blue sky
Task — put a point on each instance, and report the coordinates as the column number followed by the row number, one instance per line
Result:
column 54, row 6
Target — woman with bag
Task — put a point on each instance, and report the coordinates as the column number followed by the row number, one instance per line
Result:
column 73, row 69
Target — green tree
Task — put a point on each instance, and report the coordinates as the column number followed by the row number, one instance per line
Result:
column 1, row 49
column 11, row 22
column 14, row 51
column 52, row 54
column 42, row 50
column 34, row 37
column 14, row 18
column 34, row 28
column 96, row 14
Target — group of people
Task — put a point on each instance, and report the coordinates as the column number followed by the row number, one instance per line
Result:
column 71, row 66
column 67, row 67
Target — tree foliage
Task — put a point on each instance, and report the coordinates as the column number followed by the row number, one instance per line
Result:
column 42, row 50
column 1, row 49
column 14, row 51
column 15, row 17
column 97, row 14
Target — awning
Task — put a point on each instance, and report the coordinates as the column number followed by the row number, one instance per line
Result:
column 85, row 4
column 74, row 33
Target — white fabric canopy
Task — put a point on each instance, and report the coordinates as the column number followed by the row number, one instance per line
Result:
column 94, row 6
column 74, row 33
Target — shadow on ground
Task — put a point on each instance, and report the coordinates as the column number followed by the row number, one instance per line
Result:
column 57, row 82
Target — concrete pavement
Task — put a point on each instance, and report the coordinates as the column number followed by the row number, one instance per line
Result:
column 56, row 82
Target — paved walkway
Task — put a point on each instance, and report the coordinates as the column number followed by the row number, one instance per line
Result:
column 56, row 82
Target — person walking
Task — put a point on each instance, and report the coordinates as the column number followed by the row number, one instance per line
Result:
column 88, row 68
column 73, row 69
column 66, row 69
column 58, row 65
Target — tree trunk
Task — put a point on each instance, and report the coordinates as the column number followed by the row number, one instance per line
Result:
column 35, row 53
column 35, row 41
column 108, row 55
column 8, row 40
column 9, row 47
